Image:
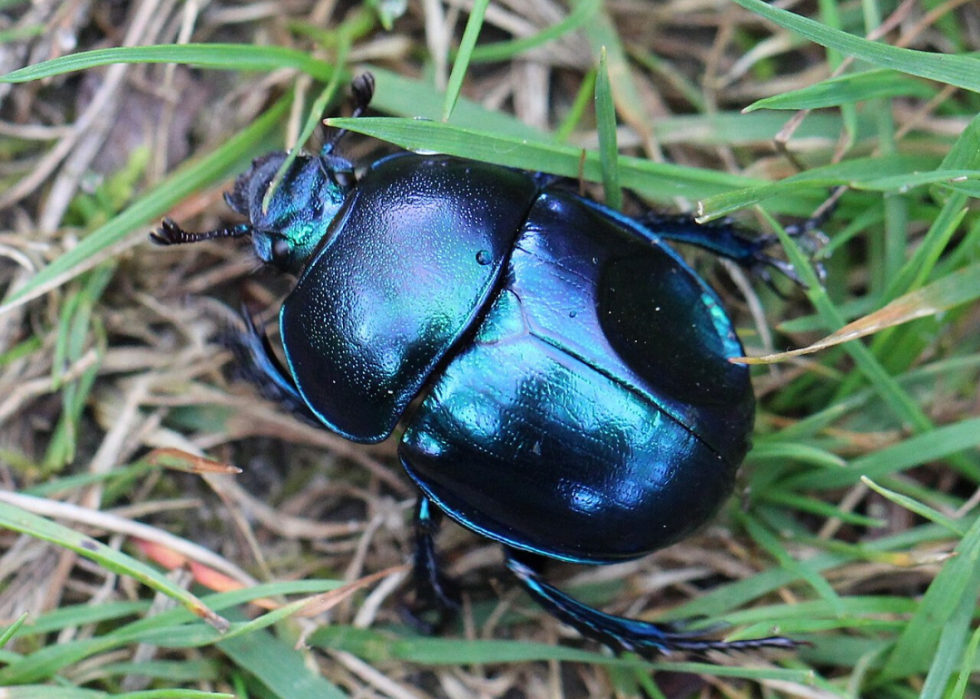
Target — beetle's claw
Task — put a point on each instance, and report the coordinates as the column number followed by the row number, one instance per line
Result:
column 668, row 639
column 169, row 233
column 648, row 639
column 760, row 268
column 440, row 599
column 362, row 92
column 808, row 236
column 812, row 240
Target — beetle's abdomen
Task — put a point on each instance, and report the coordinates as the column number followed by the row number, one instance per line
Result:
column 596, row 417
column 411, row 258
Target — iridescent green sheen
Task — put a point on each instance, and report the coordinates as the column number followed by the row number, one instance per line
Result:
column 570, row 372
column 406, row 268
column 595, row 416
column 578, row 401
column 299, row 213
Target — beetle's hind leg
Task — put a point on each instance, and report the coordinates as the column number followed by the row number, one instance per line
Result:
column 620, row 633
column 433, row 590
column 729, row 240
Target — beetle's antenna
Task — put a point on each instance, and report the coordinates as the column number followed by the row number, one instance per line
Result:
column 169, row 233
column 362, row 90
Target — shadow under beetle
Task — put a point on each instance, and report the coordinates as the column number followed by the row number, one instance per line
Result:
column 577, row 401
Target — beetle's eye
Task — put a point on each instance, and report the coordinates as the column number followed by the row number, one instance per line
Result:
column 281, row 250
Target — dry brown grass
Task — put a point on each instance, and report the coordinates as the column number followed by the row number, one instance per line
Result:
column 132, row 347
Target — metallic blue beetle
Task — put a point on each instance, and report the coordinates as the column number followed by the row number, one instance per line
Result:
column 575, row 395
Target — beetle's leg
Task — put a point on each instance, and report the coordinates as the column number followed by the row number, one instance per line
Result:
column 361, row 91
column 259, row 364
column 620, row 633
column 728, row 240
column 433, row 590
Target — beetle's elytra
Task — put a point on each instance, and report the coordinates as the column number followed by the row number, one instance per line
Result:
column 576, row 395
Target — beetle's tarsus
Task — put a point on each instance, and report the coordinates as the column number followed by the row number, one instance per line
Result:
column 434, row 591
column 808, row 236
column 362, row 91
column 727, row 239
column 622, row 634
column 812, row 239
column 441, row 602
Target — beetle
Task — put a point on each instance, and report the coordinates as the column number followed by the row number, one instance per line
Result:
column 562, row 374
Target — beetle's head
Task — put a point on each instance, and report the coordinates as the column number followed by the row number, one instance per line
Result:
column 286, row 229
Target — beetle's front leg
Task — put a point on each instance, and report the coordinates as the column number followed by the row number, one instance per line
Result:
column 433, row 590
column 257, row 361
column 620, row 633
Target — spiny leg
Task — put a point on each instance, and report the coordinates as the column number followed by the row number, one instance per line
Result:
column 362, row 92
column 620, row 633
column 433, row 590
column 726, row 239
column 258, row 364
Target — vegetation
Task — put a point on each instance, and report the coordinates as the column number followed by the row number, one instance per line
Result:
column 133, row 566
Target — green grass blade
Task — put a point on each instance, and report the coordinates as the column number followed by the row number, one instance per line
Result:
column 659, row 181
column 40, row 691
column 172, row 694
column 396, row 94
column 943, row 618
column 966, row 667
column 961, row 71
column 585, row 95
column 965, row 153
column 772, row 544
column 934, row 445
column 921, row 264
column 12, row 630
column 279, row 666
column 462, row 62
column 857, row 173
column 24, row 522
column 376, row 647
column 504, row 50
column 184, row 670
column 602, row 33
column 848, row 89
column 230, row 158
column 608, row 151
column 919, row 508
column 238, row 57
column 80, row 615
